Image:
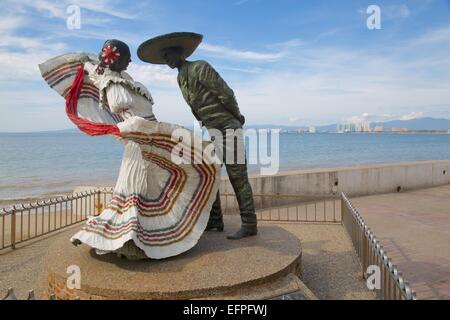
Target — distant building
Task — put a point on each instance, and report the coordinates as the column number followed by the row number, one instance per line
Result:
column 358, row 126
column 366, row 126
column 344, row 128
column 399, row 130
column 378, row 129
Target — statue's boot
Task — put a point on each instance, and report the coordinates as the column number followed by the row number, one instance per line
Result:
column 130, row 251
column 76, row 242
column 215, row 221
column 238, row 176
column 244, row 232
column 215, row 225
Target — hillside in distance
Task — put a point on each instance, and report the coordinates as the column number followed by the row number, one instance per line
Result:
column 419, row 124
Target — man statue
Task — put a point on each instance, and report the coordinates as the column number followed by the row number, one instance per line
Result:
column 213, row 104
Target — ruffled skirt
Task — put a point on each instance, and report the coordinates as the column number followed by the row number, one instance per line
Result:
column 159, row 204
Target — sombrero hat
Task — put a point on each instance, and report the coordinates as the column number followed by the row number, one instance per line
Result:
column 150, row 50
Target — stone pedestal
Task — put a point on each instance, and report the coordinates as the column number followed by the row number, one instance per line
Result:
column 261, row 267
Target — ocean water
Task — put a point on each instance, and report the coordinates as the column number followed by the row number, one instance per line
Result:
column 38, row 164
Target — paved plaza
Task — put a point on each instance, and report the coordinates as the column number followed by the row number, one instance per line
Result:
column 330, row 265
column 414, row 228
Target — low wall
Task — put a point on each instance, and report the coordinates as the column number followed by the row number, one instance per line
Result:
column 354, row 181
column 329, row 182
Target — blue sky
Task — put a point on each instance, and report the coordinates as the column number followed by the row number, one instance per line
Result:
column 291, row 62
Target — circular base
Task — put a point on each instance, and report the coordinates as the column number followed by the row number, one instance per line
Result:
column 215, row 267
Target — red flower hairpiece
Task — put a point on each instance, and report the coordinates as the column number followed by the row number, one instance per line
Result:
column 109, row 55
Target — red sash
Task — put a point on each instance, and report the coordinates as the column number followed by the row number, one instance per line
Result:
column 88, row 127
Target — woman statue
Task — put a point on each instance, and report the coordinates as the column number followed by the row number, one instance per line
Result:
column 159, row 207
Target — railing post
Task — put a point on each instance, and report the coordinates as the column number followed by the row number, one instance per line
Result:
column 99, row 205
column 13, row 229
column 370, row 252
column 365, row 253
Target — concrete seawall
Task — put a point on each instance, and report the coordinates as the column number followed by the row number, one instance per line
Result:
column 354, row 181
column 328, row 182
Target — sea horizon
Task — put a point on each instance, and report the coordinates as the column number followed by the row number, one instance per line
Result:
column 421, row 125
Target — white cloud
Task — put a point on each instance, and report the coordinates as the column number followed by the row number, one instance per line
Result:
column 8, row 24
column 20, row 55
column 153, row 75
column 355, row 119
column 440, row 35
column 328, row 33
column 52, row 8
column 326, row 84
column 412, row 116
column 292, row 43
column 288, row 82
column 17, row 42
column 395, row 11
column 277, row 95
column 230, row 53
column 22, row 66
column 390, row 12
column 105, row 7
column 240, row 69
column 383, row 117
column 57, row 9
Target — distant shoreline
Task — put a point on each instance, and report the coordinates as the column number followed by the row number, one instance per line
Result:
column 423, row 125
column 376, row 133
column 5, row 203
column 402, row 132
column 418, row 132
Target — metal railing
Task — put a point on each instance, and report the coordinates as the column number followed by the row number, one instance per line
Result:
column 278, row 207
column 28, row 221
column 371, row 253
column 24, row 222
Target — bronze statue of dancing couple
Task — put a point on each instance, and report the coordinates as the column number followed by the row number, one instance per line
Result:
column 213, row 103
column 158, row 209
